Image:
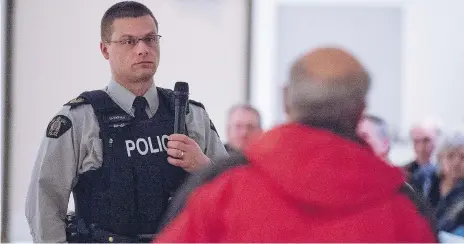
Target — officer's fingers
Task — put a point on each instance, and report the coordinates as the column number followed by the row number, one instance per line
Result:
column 185, row 139
column 190, row 141
column 174, row 161
column 175, row 153
column 178, row 137
column 177, row 162
column 177, row 145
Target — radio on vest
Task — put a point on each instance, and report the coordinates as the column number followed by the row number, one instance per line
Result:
column 181, row 95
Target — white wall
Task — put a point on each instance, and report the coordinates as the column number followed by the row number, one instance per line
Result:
column 2, row 83
column 302, row 28
column 57, row 56
column 431, row 63
column 433, row 59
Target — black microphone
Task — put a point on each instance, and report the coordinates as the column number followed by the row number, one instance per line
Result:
column 181, row 95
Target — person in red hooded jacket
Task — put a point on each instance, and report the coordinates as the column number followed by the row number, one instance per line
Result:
column 310, row 180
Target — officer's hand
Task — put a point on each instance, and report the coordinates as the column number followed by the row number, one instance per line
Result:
column 184, row 152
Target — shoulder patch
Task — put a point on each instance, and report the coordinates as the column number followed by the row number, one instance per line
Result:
column 58, row 126
column 76, row 102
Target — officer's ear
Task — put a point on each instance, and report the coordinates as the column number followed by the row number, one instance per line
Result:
column 104, row 50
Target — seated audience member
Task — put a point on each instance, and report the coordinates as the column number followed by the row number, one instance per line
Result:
column 243, row 124
column 374, row 131
column 444, row 187
column 424, row 136
column 309, row 180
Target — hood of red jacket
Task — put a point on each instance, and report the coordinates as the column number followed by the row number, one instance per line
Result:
column 319, row 168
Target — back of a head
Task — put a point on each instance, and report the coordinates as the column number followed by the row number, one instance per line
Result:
column 327, row 86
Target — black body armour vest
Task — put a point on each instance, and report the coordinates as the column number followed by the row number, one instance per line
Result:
column 129, row 193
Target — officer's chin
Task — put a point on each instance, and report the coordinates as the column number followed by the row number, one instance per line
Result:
column 143, row 75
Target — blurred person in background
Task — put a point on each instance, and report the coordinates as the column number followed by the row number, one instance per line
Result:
column 424, row 136
column 444, row 187
column 114, row 148
column 374, row 131
column 309, row 180
column 243, row 124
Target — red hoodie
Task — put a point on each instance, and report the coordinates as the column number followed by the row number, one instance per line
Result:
column 302, row 185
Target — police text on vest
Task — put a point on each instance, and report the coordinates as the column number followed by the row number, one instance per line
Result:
column 145, row 145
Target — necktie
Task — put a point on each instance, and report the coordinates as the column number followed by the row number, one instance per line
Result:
column 427, row 174
column 139, row 105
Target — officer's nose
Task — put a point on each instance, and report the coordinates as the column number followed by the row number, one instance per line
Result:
column 142, row 48
column 142, row 53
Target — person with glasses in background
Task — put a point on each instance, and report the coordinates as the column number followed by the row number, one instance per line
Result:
column 114, row 148
column 243, row 125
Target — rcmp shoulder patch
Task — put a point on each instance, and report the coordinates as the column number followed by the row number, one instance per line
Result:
column 58, row 126
column 76, row 102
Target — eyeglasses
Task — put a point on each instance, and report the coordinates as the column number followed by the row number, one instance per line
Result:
column 150, row 41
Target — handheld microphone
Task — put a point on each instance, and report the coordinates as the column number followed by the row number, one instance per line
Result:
column 181, row 95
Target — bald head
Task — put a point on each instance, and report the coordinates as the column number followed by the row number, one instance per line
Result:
column 327, row 85
column 325, row 64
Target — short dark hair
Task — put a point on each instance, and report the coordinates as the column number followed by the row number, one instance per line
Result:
column 126, row 9
column 246, row 107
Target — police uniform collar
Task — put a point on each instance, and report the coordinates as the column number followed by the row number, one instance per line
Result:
column 125, row 98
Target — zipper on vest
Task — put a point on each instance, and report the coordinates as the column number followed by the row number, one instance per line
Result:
column 110, row 160
column 136, row 197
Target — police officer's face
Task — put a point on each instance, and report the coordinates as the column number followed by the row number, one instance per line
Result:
column 133, row 50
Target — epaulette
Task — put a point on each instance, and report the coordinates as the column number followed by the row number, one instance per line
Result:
column 199, row 104
column 76, row 102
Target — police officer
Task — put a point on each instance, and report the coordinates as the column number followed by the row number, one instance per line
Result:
column 114, row 148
